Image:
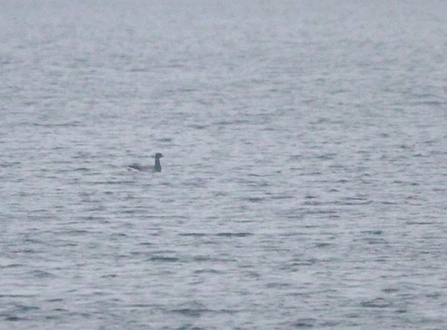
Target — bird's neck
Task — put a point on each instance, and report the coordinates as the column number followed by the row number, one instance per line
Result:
column 157, row 165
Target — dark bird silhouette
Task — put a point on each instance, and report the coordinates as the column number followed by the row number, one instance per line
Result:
column 148, row 168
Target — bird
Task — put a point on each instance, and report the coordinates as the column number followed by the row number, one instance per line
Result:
column 148, row 168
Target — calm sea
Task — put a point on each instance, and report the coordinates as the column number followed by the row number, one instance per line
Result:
column 304, row 180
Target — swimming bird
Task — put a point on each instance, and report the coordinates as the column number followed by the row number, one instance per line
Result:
column 147, row 168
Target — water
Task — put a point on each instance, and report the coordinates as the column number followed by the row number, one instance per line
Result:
column 304, row 177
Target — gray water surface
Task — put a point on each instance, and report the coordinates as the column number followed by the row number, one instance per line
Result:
column 304, row 177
